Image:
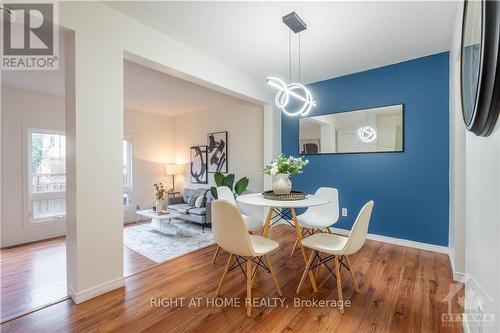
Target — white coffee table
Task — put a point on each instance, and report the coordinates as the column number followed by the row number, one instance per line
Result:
column 161, row 222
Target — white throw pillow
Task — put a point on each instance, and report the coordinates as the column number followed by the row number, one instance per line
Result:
column 199, row 202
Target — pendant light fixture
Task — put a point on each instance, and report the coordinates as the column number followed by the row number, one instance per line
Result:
column 296, row 90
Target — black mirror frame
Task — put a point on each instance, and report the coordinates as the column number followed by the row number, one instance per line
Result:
column 487, row 103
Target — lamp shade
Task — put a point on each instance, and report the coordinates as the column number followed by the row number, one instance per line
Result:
column 171, row 169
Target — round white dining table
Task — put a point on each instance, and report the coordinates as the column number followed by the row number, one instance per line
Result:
column 257, row 199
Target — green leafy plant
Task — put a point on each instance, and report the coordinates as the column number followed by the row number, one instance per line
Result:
column 221, row 180
column 286, row 165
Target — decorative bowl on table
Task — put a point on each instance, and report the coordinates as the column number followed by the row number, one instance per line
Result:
column 293, row 195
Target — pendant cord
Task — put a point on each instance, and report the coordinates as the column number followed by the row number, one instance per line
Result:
column 289, row 56
column 299, row 56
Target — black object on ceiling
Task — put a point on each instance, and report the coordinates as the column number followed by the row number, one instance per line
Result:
column 294, row 22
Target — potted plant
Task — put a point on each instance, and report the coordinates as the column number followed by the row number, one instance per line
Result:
column 281, row 169
column 221, row 180
column 160, row 196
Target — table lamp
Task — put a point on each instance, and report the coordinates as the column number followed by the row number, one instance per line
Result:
column 171, row 170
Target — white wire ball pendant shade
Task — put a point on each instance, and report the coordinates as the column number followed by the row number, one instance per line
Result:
column 293, row 90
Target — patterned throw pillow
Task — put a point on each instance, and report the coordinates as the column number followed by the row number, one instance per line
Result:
column 192, row 200
column 189, row 192
column 199, row 201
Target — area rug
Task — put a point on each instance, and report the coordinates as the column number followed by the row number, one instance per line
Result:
column 160, row 247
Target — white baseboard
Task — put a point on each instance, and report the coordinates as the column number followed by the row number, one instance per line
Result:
column 465, row 324
column 393, row 240
column 458, row 276
column 82, row 296
column 399, row 241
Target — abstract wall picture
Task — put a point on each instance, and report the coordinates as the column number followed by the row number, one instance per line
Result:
column 217, row 152
column 198, row 170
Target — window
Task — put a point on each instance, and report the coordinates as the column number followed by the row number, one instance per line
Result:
column 46, row 175
column 127, row 171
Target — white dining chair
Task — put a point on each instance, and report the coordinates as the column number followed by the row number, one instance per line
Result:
column 319, row 218
column 338, row 248
column 231, row 234
column 251, row 223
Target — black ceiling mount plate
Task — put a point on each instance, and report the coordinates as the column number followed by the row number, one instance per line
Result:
column 294, row 22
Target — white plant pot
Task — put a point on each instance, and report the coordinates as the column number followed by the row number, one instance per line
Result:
column 282, row 184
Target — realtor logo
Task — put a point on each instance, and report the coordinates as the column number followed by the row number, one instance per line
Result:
column 29, row 36
column 477, row 300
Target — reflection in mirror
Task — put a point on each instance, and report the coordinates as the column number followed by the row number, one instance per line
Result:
column 361, row 131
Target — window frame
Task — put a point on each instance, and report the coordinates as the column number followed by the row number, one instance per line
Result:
column 129, row 189
column 29, row 196
column 28, row 221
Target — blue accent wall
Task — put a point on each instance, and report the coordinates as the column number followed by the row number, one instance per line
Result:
column 410, row 188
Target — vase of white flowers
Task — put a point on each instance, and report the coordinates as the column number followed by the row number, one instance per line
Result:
column 281, row 169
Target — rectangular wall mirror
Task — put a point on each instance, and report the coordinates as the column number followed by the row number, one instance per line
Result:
column 360, row 131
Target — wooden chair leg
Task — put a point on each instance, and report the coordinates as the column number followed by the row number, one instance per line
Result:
column 352, row 274
column 249, row 287
column 318, row 267
column 294, row 247
column 309, row 262
column 217, row 293
column 339, row 283
column 268, row 262
column 216, row 254
column 297, row 242
column 254, row 273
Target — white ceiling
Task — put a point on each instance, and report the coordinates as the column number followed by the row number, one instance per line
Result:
column 342, row 37
column 151, row 91
column 145, row 89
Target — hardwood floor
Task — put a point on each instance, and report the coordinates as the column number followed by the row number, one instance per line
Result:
column 34, row 275
column 402, row 290
column 134, row 262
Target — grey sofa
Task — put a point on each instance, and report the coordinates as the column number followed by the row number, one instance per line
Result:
column 200, row 215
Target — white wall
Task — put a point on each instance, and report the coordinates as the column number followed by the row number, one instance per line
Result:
column 152, row 136
column 482, row 224
column 272, row 138
column 457, row 158
column 244, row 123
column 481, row 194
column 20, row 110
